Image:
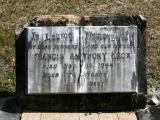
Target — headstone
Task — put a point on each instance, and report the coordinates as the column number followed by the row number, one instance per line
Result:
column 89, row 59
column 79, row 59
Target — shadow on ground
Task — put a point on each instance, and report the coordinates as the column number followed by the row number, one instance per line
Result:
column 9, row 108
column 8, row 103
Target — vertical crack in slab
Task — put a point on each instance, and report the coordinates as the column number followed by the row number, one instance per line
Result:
column 80, row 63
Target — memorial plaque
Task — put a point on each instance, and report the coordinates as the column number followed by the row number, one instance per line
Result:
column 50, row 69
column 109, row 56
column 86, row 59
column 81, row 63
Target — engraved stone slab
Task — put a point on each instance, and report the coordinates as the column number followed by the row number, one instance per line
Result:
column 87, row 59
column 109, row 57
column 50, row 69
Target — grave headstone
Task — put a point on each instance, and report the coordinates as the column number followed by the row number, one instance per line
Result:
column 88, row 59
column 67, row 56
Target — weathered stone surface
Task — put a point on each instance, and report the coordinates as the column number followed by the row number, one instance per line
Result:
column 116, row 101
column 152, row 110
column 50, row 68
column 89, row 59
column 149, row 113
column 112, row 65
column 9, row 116
column 9, row 109
column 79, row 116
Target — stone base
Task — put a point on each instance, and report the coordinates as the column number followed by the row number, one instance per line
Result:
column 89, row 102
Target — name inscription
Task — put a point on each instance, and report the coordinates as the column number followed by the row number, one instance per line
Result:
column 88, row 59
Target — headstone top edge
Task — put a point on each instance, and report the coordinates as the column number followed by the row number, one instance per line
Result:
column 31, row 27
column 91, row 20
column 28, row 27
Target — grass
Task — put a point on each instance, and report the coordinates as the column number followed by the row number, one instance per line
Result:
column 7, row 76
column 14, row 13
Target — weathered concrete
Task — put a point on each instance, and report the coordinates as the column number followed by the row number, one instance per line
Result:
column 93, row 102
column 79, row 116
column 9, row 109
column 152, row 110
column 9, row 116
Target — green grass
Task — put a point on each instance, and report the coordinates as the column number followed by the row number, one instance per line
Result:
column 7, row 76
column 14, row 13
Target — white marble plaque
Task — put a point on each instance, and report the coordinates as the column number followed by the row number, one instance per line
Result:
column 87, row 59
column 50, row 69
column 109, row 57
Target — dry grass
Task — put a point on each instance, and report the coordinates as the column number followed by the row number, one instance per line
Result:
column 14, row 13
